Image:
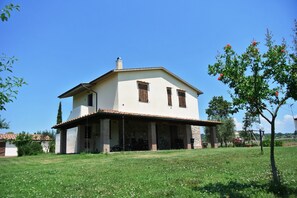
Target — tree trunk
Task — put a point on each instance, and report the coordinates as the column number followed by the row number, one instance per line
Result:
column 275, row 176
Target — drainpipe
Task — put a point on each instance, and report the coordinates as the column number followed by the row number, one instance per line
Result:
column 123, row 125
column 95, row 94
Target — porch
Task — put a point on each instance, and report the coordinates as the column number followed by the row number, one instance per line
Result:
column 118, row 131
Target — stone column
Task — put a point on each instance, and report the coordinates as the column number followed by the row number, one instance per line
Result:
column 152, row 136
column 197, row 137
column 104, row 135
column 188, row 136
column 213, row 137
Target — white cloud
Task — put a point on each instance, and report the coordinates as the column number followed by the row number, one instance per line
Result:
column 284, row 124
column 238, row 125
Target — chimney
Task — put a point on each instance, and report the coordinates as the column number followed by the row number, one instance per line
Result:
column 119, row 63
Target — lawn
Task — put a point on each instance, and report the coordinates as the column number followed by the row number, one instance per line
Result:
column 233, row 172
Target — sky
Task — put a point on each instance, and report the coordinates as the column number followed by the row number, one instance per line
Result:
column 60, row 44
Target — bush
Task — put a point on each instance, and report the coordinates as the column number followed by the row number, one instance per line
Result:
column 278, row 143
column 26, row 146
column 266, row 143
column 32, row 148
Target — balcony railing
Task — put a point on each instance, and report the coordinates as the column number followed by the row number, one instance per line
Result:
column 81, row 111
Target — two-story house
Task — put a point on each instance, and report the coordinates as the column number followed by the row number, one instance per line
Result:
column 132, row 109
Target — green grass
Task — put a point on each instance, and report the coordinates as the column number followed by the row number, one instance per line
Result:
column 233, row 172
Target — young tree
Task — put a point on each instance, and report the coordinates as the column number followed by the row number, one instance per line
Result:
column 260, row 83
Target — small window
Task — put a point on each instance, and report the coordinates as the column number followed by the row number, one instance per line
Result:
column 181, row 98
column 143, row 91
column 169, row 98
column 90, row 100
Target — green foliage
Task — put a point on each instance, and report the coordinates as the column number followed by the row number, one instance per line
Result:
column 26, row 146
column 179, row 173
column 59, row 116
column 3, row 124
column 8, row 83
column 219, row 109
column 5, row 12
column 267, row 142
column 32, row 148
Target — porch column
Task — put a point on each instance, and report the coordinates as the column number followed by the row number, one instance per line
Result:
column 63, row 138
column 104, row 135
column 213, row 137
column 152, row 136
column 188, row 136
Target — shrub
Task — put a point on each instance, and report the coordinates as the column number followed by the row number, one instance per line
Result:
column 266, row 143
column 32, row 148
column 26, row 146
column 278, row 143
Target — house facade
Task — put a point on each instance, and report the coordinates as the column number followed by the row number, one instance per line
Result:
column 8, row 149
column 132, row 109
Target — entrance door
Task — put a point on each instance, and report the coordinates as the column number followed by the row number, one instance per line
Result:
column 2, row 148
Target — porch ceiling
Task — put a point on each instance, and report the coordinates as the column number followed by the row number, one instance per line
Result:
column 113, row 114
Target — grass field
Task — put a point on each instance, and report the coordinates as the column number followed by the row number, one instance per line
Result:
column 233, row 172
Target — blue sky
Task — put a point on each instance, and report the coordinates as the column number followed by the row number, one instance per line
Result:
column 60, row 44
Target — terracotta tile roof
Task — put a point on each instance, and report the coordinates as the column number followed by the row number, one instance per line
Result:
column 36, row 137
column 109, row 113
column 8, row 136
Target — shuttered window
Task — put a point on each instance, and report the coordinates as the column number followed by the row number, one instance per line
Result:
column 169, row 98
column 181, row 98
column 143, row 91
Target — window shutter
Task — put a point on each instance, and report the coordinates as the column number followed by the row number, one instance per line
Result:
column 143, row 91
column 169, row 98
column 182, row 98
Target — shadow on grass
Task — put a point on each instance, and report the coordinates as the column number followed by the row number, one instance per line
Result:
column 244, row 190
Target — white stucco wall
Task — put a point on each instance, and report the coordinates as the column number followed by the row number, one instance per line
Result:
column 57, row 143
column 11, row 149
column 158, row 82
column 107, row 93
column 45, row 146
column 120, row 92
column 71, row 142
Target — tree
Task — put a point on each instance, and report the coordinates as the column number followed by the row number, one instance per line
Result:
column 59, row 115
column 8, row 83
column 260, row 82
column 227, row 130
column 220, row 109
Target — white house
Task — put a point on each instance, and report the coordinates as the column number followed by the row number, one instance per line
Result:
column 132, row 109
column 7, row 148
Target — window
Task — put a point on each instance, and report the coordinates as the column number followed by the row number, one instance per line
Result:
column 90, row 100
column 169, row 98
column 143, row 91
column 181, row 98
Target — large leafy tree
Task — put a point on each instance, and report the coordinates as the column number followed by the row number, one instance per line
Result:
column 9, row 84
column 220, row 109
column 260, row 82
